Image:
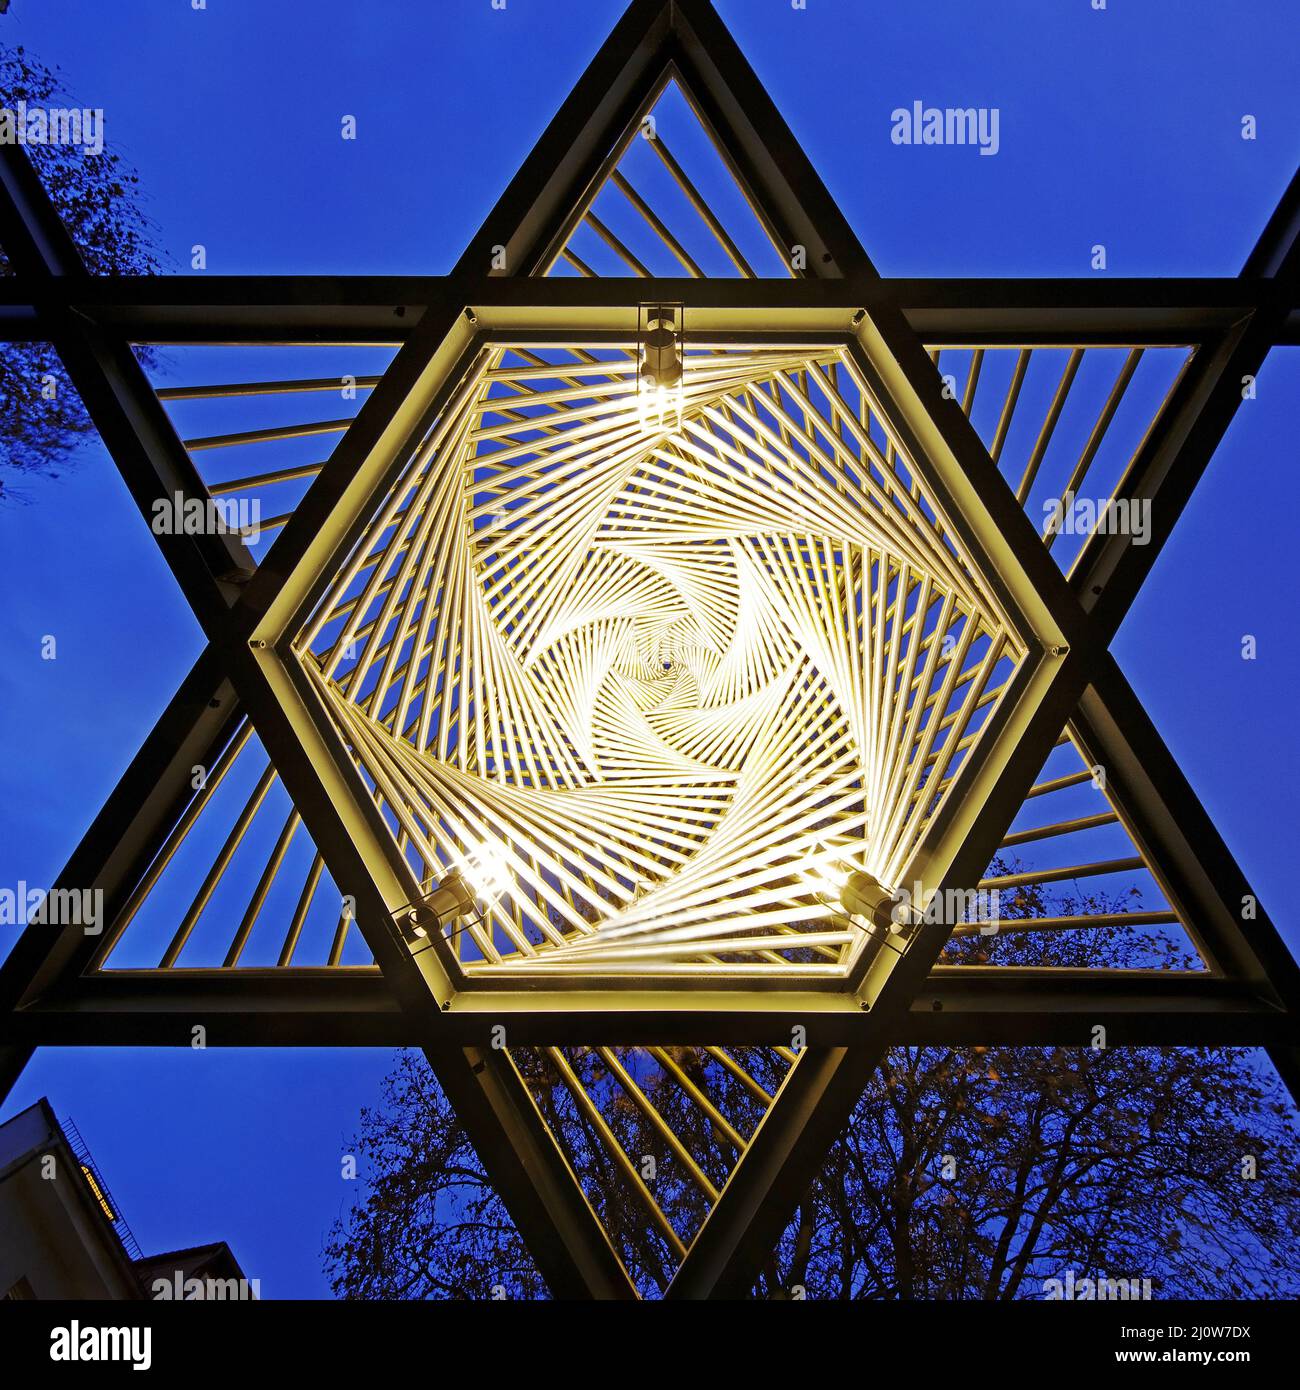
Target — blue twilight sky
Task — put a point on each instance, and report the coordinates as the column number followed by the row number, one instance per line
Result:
column 1120, row 126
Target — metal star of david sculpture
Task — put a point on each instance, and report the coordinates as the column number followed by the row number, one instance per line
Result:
column 669, row 640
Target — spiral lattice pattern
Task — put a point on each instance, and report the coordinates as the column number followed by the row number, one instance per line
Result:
column 657, row 672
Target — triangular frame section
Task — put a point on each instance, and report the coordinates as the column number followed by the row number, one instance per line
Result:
column 654, row 41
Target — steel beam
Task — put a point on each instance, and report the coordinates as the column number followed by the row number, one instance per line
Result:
column 354, row 1007
column 386, row 309
column 336, row 1007
column 990, row 1006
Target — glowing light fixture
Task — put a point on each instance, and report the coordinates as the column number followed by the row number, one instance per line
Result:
column 452, row 898
column 486, row 871
column 864, row 895
column 660, row 407
column 660, row 371
column 661, row 353
column 825, row 873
